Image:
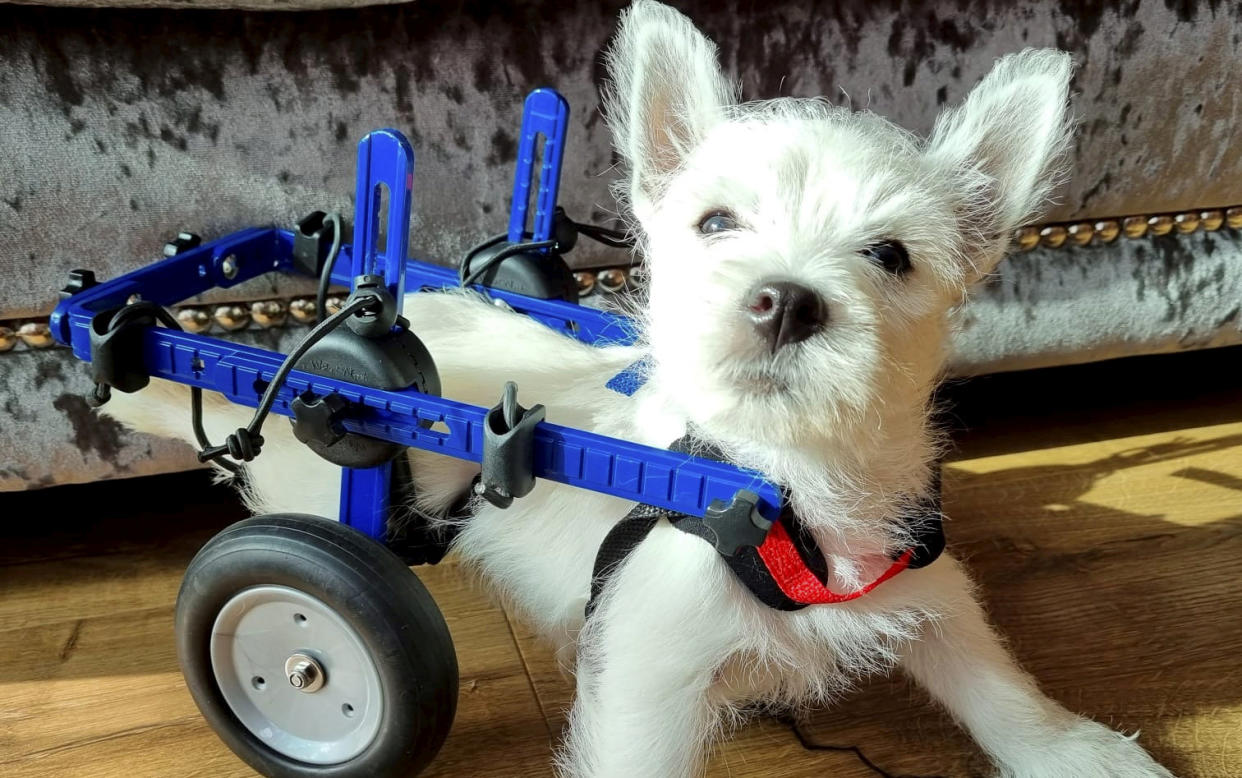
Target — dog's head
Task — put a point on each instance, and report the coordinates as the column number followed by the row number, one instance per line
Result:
column 803, row 257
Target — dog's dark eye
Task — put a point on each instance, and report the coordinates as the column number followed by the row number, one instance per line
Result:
column 890, row 255
column 717, row 221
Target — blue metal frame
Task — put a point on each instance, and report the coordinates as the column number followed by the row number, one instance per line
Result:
column 385, row 161
column 666, row 479
column 545, row 113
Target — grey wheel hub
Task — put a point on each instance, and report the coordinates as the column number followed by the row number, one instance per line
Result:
column 296, row 674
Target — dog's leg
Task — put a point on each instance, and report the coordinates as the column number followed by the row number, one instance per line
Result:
column 963, row 663
column 646, row 663
column 287, row 478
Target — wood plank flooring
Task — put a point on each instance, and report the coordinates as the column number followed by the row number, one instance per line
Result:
column 1100, row 509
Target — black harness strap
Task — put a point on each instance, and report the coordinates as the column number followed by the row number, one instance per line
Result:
column 923, row 517
column 618, row 543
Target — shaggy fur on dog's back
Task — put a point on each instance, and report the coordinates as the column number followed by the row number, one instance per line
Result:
column 883, row 232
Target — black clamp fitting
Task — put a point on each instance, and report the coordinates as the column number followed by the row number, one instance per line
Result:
column 737, row 524
column 378, row 320
column 79, row 281
column 508, row 450
column 116, row 346
column 181, row 244
column 312, row 241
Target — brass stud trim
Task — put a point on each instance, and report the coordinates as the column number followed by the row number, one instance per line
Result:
column 1133, row 227
column 272, row 314
column 1186, row 223
column 1053, row 236
column 194, row 319
column 302, row 310
column 231, row 317
column 1081, row 233
column 268, row 313
column 1027, row 238
column 1161, row 224
column 586, row 283
column 36, row 334
column 611, row 279
column 1107, row 230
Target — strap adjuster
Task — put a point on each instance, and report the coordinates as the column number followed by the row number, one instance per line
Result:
column 736, row 524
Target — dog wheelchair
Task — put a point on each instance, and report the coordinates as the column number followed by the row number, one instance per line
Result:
column 308, row 644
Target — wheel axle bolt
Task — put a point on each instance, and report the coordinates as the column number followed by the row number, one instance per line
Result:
column 304, row 673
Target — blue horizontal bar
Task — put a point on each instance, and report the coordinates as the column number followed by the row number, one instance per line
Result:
column 630, row 471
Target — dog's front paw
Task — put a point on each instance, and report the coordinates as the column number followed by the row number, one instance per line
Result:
column 1088, row 750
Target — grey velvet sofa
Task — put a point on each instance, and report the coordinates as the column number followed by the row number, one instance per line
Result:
column 121, row 126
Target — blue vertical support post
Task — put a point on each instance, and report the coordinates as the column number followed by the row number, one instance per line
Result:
column 364, row 499
column 384, row 157
column 545, row 113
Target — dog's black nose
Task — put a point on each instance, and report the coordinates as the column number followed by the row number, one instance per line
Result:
column 784, row 312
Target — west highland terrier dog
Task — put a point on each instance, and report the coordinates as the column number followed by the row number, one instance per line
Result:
column 803, row 262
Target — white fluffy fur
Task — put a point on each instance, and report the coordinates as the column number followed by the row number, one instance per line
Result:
column 841, row 418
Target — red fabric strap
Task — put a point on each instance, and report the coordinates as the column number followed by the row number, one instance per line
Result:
column 797, row 581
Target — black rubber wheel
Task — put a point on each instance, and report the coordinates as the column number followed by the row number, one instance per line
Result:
column 381, row 638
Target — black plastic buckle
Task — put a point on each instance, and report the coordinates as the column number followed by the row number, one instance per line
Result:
column 508, row 450
column 736, row 524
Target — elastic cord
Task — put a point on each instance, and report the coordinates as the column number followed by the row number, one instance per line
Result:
column 325, row 275
column 247, row 442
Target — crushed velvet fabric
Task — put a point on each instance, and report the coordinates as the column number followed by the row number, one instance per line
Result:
column 1086, row 303
column 249, row 5
column 120, row 127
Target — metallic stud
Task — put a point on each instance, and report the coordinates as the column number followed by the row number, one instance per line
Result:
column 334, row 304
column 1026, row 238
column 1134, row 226
column 1233, row 217
column 1053, row 236
column 1081, row 233
column 302, row 309
column 1186, row 223
column 268, row 313
column 194, row 319
column 36, row 334
column 1160, row 225
column 228, row 267
column 133, row 298
column 611, row 279
column 1107, row 230
column 231, row 317
column 586, row 283
column 8, row 339
column 1211, row 220
column 304, row 673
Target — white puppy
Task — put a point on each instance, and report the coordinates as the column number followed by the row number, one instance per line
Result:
column 804, row 261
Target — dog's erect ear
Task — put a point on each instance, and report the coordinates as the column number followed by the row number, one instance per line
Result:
column 1005, row 145
column 664, row 92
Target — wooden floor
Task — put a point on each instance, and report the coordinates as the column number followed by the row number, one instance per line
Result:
column 1100, row 508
